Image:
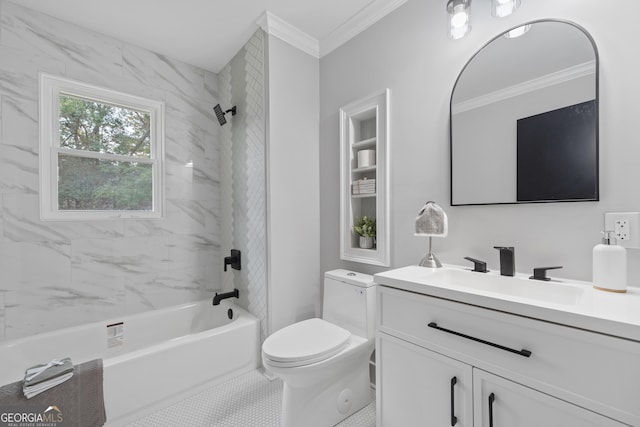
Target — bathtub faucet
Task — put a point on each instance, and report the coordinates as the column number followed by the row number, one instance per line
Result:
column 219, row 297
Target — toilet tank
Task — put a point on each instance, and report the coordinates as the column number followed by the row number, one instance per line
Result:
column 350, row 301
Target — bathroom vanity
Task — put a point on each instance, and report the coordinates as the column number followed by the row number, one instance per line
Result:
column 458, row 348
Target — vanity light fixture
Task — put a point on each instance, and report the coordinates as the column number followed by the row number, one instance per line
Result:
column 502, row 8
column 459, row 21
column 517, row 32
column 458, row 13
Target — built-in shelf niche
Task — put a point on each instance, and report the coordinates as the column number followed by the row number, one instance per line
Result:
column 364, row 127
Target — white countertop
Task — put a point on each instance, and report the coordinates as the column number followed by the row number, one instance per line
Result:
column 616, row 314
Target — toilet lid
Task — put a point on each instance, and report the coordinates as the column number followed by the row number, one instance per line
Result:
column 305, row 342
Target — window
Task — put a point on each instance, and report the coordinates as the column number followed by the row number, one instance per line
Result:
column 101, row 152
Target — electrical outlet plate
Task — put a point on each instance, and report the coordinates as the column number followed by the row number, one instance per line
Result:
column 626, row 226
column 621, row 229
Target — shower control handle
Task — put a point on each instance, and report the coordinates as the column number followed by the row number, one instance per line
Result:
column 234, row 260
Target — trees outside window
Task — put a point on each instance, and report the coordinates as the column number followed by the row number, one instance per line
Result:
column 101, row 153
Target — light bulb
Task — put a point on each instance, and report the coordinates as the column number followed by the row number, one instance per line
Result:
column 458, row 11
column 517, row 32
column 502, row 8
column 458, row 32
column 460, row 16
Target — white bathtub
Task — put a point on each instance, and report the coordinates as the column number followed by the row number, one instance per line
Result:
column 165, row 356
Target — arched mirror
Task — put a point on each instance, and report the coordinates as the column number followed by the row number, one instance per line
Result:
column 524, row 119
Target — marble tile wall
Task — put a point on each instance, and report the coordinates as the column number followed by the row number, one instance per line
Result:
column 60, row 274
column 242, row 169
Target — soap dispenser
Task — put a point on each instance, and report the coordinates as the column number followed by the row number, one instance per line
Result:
column 609, row 265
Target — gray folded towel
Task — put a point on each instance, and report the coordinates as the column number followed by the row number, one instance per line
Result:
column 40, row 378
column 432, row 221
column 55, row 368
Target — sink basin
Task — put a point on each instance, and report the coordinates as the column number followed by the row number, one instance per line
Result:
column 552, row 292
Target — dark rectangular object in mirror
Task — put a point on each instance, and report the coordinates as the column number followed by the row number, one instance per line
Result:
column 557, row 155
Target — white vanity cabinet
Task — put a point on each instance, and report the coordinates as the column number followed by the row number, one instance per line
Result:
column 538, row 373
column 421, row 387
column 499, row 402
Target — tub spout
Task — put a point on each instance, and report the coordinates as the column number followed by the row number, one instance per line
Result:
column 219, row 297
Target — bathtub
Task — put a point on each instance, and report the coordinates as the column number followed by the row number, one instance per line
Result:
column 161, row 357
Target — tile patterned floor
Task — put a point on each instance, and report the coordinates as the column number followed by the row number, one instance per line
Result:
column 247, row 401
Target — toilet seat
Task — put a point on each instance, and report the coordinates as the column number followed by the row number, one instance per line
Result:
column 304, row 343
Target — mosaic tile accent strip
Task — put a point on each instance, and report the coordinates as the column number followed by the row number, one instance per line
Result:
column 256, row 239
column 226, row 174
column 242, row 154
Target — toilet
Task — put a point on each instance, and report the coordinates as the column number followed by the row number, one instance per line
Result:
column 324, row 363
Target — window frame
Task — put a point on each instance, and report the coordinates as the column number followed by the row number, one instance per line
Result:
column 51, row 87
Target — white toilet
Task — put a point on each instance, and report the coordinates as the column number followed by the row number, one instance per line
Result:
column 324, row 363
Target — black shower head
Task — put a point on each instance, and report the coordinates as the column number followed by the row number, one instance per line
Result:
column 220, row 114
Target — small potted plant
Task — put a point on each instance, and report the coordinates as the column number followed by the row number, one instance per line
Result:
column 365, row 227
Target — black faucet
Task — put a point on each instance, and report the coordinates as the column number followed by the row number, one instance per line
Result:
column 507, row 260
column 478, row 266
column 219, row 297
column 233, row 260
column 540, row 273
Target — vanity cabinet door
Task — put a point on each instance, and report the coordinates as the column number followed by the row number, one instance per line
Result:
column 502, row 403
column 418, row 387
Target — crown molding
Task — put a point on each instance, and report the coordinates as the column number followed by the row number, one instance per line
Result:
column 359, row 22
column 547, row 80
column 277, row 27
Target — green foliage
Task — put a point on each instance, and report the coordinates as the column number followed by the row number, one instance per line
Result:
column 94, row 184
column 104, row 128
column 86, row 183
column 365, row 226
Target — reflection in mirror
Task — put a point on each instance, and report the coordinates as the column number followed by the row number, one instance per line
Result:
column 524, row 119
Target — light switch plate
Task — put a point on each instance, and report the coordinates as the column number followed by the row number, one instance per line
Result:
column 625, row 224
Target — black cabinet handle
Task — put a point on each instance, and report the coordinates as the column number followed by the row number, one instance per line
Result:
column 523, row 352
column 454, row 419
column 492, row 398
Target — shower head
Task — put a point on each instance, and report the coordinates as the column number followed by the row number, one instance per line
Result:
column 220, row 114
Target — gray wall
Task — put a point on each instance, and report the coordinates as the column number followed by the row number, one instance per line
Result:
column 293, row 181
column 59, row 274
column 409, row 52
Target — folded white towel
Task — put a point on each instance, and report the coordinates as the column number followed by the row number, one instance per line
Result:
column 36, row 389
column 42, row 377
column 432, row 221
